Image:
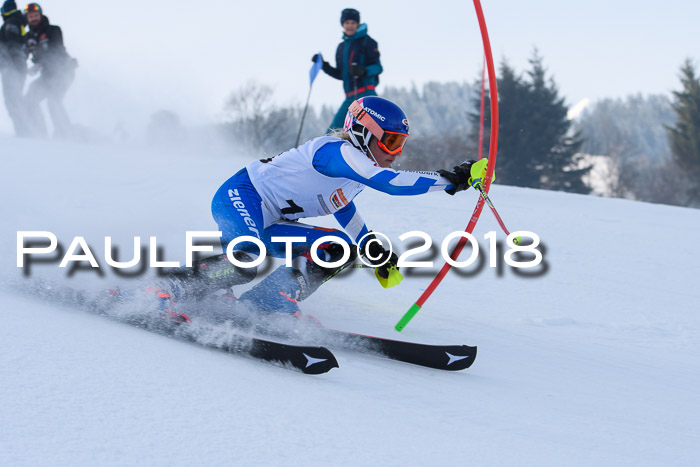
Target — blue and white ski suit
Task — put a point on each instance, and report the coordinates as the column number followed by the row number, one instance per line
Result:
column 321, row 177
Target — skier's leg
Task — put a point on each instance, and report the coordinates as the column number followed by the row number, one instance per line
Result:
column 216, row 272
column 12, row 91
column 57, row 90
column 237, row 209
column 283, row 288
column 36, row 93
column 208, row 276
column 308, row 273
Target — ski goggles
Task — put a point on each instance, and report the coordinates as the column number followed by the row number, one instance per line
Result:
column 32, row 7
column 392, row 142
column 389, row 141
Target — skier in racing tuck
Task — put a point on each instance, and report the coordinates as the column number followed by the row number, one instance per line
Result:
column 321, row 177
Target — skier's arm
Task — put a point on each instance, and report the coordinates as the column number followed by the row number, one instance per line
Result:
column 56, row 39
column 336, row 72
column 351, row 221
column 332, row 72
column 342, row 160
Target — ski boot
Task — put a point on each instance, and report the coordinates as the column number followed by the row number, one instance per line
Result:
column 282, row 290
column 208, row 276
column 167, row 307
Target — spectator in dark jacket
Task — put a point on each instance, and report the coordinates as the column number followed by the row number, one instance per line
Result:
column 13, row 65
column 357, row 63
column 56, row 73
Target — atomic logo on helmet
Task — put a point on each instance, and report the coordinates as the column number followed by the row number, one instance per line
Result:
column 374, row 116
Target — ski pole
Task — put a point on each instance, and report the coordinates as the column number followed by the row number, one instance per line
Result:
column 318, row 64
column 354, row 81
column 486, row 197
column 301, row 125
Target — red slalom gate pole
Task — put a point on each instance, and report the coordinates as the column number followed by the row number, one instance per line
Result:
column 481, row 109
column 493, row 91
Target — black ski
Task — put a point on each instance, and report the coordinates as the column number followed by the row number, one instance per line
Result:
column 311, row 360
column 440, row 357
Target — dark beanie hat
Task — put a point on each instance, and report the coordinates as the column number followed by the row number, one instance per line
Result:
column 349, row 14
column 8, row 6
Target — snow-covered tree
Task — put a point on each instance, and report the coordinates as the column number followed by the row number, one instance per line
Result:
column 684, row 137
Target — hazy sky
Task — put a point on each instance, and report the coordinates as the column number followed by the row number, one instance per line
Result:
column 138, row 57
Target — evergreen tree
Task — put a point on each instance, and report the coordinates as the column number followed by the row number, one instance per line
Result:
column 684, row 137
column 558, row 166
column 535, row 147
column 511, row 109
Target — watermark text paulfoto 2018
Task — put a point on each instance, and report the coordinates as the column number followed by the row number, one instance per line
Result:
column 36, row 245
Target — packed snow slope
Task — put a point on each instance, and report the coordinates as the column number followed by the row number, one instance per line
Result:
column 592, row 361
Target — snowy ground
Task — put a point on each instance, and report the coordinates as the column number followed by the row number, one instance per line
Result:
column 595, row 361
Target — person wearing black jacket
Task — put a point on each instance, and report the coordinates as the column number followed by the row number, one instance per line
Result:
column 13, row 65
column 56, row 73
column 357, row 63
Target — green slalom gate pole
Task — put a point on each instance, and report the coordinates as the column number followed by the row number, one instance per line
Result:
column 406, row 318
